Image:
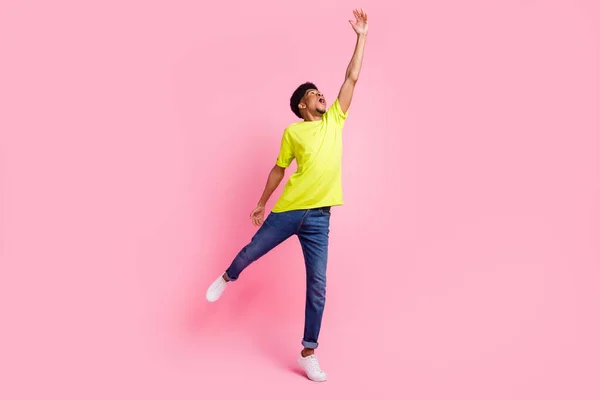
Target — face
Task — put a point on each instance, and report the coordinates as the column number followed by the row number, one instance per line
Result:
column 314, row 102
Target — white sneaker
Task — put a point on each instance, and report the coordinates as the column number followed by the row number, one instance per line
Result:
column 311, row 366
column 215, row 290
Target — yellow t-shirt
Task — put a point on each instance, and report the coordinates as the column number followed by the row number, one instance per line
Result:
column 317, row 148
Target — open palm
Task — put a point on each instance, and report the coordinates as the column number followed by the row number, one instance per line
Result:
column 361, row 25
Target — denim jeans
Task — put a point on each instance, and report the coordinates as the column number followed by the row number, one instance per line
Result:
column 312, row 228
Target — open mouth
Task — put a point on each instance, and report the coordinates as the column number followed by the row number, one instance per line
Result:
column 322, row 100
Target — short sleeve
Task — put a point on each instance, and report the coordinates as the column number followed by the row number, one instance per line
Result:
column 286, row 152
column 335, row 113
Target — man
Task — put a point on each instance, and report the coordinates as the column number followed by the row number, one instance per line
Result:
column 304, row 208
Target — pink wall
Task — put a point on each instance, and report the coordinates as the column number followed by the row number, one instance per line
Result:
column 136, row 139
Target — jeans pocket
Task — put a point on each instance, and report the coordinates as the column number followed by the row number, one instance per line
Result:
column 326, row 211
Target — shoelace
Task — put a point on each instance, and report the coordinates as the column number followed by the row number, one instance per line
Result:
column 314, row 363
column 220, row 285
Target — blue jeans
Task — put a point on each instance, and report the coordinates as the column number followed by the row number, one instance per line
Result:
column 312, row 228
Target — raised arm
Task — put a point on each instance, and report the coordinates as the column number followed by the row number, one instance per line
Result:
column 361, row 27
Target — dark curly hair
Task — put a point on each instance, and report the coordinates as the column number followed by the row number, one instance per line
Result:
column 297, row 96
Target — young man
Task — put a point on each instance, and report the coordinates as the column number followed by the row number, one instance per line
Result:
column 304, row 208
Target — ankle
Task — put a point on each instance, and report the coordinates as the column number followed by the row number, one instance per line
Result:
column 225, row 277
column 307, row 352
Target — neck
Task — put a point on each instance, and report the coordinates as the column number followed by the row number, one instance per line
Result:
column 309, row 117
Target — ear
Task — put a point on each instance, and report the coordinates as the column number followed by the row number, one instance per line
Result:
column 301, row 105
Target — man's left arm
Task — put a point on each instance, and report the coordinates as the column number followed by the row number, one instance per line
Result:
column 361, row 28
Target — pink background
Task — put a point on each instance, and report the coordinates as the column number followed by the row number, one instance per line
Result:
column 137, row 137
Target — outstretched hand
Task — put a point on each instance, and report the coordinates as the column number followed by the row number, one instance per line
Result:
column 361, row 25
column 258, row 215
